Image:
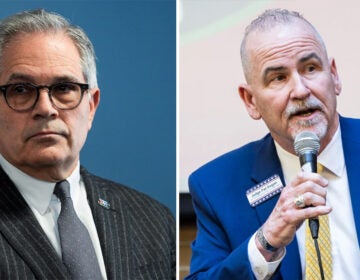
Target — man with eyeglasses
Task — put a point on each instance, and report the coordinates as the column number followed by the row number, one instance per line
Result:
column 58, row 221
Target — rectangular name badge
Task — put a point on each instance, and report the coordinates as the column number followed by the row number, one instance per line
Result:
column 264, row 190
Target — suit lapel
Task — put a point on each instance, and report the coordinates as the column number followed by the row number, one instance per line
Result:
column 110, row 218
column 351, row 146
column 267, row 164
column 20, row 228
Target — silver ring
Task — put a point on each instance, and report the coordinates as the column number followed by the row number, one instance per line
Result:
column 299, row 201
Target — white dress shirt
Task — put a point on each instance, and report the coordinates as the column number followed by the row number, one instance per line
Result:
column 345, row 249
column 46, row 206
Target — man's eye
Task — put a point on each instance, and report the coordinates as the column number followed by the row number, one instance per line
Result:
column 311, row 68
column 20, row 89
column 277, row 78
column 65, row 87
column 280, row 78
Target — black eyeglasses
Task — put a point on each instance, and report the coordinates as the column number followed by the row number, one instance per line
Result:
column 23, row 96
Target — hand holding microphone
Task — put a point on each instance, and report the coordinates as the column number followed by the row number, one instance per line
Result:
column 306, row 189
column 307, row 146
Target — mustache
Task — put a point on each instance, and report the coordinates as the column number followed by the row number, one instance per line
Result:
column 302, row 107
column 46, row 127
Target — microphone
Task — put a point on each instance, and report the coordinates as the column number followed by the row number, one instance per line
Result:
column 307, row 145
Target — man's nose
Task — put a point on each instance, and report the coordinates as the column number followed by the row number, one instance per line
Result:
column 44, row 106
column 300, row 89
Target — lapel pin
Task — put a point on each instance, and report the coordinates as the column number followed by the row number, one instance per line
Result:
column 104, row 203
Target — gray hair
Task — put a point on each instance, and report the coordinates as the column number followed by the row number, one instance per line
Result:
column 43, row 21
column 266, row 21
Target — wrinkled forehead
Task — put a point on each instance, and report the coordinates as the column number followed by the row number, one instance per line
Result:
column 278, row 33
column 284, row 40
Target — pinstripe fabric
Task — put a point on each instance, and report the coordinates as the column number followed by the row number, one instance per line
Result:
column 25, row 250
column 137, row 234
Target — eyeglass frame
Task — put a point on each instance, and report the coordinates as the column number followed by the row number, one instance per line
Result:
column 83, row 88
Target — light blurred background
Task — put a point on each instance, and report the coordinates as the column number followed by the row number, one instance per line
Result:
column 212, row 118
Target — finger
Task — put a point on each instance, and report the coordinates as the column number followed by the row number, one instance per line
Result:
column 311, row 212
column 311, row 187
column 309, row 199
column 296, row 216
column 302, row 177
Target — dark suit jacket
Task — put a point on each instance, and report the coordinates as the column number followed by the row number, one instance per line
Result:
column 226, row 221
column 137, row 234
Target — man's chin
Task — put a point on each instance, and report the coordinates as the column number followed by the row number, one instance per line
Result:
column 49, row 168
column 48, row 157
column 319, row 130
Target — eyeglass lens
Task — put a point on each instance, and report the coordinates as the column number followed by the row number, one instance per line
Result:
column 24, row 96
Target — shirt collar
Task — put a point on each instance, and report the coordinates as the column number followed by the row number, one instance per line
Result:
column 37, row 193
column 332, row 157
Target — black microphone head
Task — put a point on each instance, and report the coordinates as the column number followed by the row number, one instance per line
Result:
column 306, row 142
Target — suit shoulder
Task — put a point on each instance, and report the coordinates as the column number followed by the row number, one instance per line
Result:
column 146, row 225
column 350, row 128
column 349, row 124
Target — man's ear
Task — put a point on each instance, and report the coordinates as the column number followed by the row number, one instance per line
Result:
column 247, row 97
column 335, row 76
column 94, row 100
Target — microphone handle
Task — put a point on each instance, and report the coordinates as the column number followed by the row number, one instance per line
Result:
column 308, row 162
column 314, row 226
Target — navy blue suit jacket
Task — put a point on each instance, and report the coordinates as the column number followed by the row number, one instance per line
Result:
column 225, row 219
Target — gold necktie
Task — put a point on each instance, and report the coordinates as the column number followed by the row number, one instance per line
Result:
column 312, row 270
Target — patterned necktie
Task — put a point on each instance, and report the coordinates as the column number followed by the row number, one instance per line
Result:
column 312, row 270
column 78, row 253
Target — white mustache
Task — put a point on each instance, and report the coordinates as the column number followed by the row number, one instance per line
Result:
column 302, row 106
